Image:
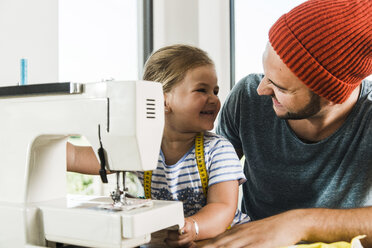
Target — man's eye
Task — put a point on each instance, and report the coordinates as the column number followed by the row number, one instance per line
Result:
column 277, row 87
column 216, row 92
column 280, row 89
column 201, row 90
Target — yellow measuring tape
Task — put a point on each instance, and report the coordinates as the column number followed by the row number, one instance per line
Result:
column 199, row 155
column 147, row 184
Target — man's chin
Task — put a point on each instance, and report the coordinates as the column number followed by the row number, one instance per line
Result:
column 284, row 117
column 287, row 116
column 281, row 114
column 290, row 116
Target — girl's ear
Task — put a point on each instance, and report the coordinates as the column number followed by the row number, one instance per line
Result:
column 167, row 108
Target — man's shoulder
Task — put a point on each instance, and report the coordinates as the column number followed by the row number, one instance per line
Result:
column 367, row 89
column 246, row 89
column 365, row 99
column 250, row 81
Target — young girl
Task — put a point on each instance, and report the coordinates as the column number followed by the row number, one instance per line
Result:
column 197, row 167
column 191, row 107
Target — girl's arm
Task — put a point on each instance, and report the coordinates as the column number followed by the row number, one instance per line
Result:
column 81, row 159
column 213, row 219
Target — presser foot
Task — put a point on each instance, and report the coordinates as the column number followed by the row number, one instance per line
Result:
column 122, row 200
column 127, row 203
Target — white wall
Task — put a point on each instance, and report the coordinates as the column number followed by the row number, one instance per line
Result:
column 203, row 23
column 175, row 21
column 29, row 29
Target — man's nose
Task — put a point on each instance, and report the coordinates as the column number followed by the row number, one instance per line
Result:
column 264, row 89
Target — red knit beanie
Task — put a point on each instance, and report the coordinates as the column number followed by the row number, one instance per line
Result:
column 327, row 44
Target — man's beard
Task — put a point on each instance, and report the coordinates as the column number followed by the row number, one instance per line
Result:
column 312, row 108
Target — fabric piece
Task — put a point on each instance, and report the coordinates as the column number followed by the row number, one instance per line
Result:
column 355, row 243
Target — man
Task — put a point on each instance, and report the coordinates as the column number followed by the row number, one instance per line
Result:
column 305, row 129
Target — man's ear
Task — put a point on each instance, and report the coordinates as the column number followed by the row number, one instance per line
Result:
column 329, row 103
column 326, row 102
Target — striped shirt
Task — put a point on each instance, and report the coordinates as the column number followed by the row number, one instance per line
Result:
column 182, row 182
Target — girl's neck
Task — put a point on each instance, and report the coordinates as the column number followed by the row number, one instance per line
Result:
column 175, row 145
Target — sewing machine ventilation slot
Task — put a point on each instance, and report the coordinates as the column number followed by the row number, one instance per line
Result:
column 150, row 108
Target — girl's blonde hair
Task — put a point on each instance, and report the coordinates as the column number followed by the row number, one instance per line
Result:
column 169, row 64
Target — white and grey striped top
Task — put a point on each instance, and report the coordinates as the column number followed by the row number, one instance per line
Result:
column 181, row 181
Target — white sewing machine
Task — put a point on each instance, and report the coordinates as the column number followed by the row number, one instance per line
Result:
column 123, row 119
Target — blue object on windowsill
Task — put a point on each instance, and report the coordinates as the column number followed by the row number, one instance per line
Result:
column 23, row 72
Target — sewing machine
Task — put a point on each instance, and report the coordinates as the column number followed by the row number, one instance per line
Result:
column 123, row 121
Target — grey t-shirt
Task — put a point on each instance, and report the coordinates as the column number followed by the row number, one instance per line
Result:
column 285, row 173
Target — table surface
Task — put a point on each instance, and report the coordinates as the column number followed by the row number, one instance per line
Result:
column 157, row 240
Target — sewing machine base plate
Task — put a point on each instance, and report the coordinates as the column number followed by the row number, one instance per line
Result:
column 83, row 222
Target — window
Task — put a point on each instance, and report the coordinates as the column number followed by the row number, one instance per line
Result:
column 253, row 20
column 98, row 40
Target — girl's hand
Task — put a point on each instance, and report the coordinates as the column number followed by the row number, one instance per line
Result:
column 184, row 237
